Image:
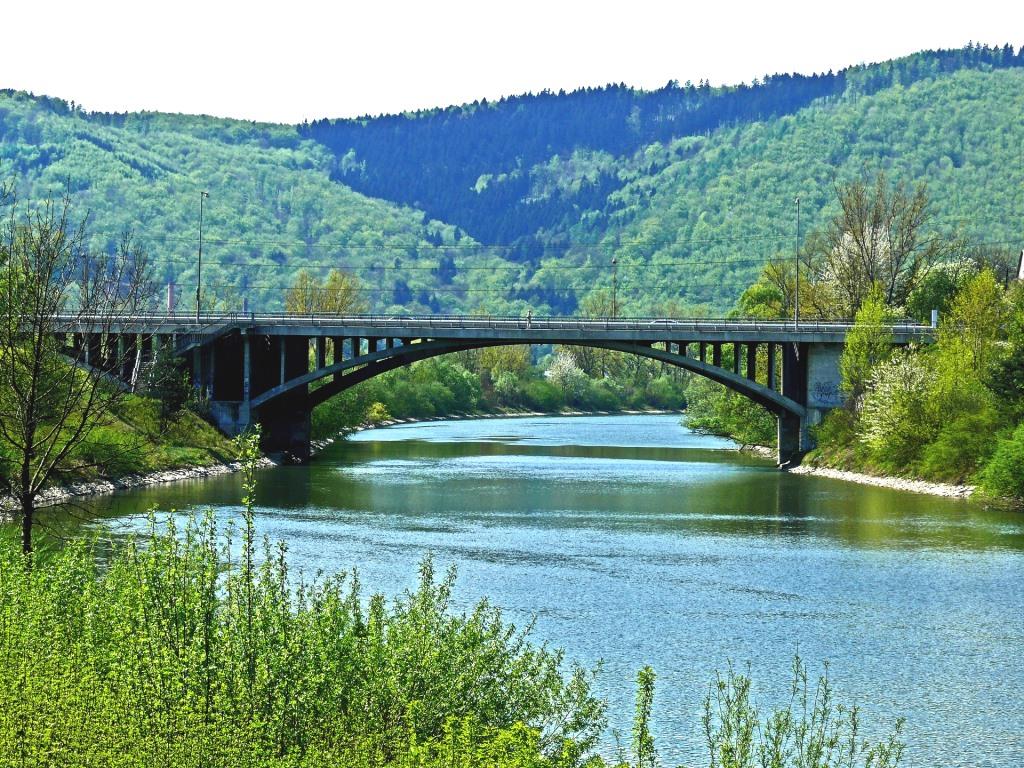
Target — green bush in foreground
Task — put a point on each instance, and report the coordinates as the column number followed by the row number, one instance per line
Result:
column 198, row 647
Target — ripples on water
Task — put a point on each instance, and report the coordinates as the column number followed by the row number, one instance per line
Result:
column 635, row 541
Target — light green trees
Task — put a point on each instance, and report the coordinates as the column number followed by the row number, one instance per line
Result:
column 881, row 237
column 972, row 332
column 868, row 343
column 52, row 395
column 895, row 420
column 340, row 294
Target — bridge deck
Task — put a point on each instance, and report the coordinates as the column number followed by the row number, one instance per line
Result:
column 528, row 330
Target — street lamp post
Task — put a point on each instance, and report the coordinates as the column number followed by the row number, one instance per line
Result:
column 796, row 263
column 615, row 287
column 199, row 264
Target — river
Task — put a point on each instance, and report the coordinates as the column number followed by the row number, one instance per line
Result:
column 634, row 541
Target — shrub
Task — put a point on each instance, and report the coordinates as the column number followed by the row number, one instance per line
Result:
column 811, row 730
column 712, row 409
column 664, row 392
column 506, row 387
column 377, row 413
column 894, row 417
column 541, row 395
column 961, row 447
column 1003, row 475
column 192, row 647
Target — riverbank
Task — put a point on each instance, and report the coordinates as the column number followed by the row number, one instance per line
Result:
column 896, row 483
column 61, row 494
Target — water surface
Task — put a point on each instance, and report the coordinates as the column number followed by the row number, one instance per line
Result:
column 634, row 541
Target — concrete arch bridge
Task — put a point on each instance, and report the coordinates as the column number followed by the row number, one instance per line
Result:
column 273, row 369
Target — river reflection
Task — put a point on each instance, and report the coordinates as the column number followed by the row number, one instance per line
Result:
column 635, row 541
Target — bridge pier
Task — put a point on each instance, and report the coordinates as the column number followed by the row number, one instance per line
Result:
column 810, row 376
column 286, row 426
column 286, row 421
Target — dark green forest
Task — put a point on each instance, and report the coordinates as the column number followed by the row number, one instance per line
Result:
column 478, row 164
column 522, row 203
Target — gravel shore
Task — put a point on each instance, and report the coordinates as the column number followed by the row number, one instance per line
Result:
column 63, row 493
column 896, row 483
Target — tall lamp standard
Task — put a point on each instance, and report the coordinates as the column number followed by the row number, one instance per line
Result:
column 615, row 286
column 796, row 263
column 199, row 264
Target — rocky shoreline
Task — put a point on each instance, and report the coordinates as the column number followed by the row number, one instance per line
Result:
column 896, row 483
column 63, row 493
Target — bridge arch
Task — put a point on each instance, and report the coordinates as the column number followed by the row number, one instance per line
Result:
column 348, row 373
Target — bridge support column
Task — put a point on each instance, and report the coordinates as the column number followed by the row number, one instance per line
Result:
column 789, row 431
column 93, row 350
column 824, row 385
column 119, row 358
column 128, row 353
column 771, row 366
column 321, row 352
column 810, row 376
column 210, row 371
column 244, row 409
column 285, row 421
column 286, row 426
column 794, row 386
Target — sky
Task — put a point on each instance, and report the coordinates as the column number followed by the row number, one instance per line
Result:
column 297, row 60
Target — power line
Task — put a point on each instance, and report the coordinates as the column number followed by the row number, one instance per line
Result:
column 419, row 267
column 617, row 243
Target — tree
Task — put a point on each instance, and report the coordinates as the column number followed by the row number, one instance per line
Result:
column 339, row 295
column 880, row 235
column 53, row 394
column 868, row 343
column 169, row 384
column 595, row 361
column 566, row 375
column 972, row 331
column 513, row 359
column 895, row 419
column 1007, row 377
column 938, row 288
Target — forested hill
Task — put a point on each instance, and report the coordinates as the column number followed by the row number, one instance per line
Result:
column 523, row 203
column 272, row 207
column 474, row 164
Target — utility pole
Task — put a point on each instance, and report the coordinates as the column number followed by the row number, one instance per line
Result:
column 796, row 263
column 615, row 286
column 199, row 264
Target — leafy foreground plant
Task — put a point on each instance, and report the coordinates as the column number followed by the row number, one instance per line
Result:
column 197, row 647
column 811, row 731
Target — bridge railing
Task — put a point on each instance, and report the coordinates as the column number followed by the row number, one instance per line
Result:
column 208, row 321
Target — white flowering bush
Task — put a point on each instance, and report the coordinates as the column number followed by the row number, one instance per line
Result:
column 895, row 421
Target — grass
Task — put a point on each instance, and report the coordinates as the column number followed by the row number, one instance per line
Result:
column 132, row 440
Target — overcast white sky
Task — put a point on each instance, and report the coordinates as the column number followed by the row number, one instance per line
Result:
column 288, row 61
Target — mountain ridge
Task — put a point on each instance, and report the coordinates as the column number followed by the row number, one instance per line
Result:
column 690, row 218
